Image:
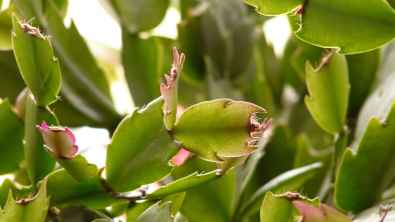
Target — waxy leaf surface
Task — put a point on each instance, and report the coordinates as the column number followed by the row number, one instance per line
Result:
column 275, row 7
column 26, row 210
column 329, row 90
column 217, row 128
column 65, row 191
column 358, row 184
column 36, row 61
column 279, row 208
column 328, row 24
column 140, row 150
column 12, row 130
column 77, row 166
column 134, row 209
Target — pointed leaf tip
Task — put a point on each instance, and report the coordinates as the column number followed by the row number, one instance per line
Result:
column 170, row 92
column 60, row 141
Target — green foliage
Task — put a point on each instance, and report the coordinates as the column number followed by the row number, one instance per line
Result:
column 130, row 152
column 208, row 129
column 329, row 127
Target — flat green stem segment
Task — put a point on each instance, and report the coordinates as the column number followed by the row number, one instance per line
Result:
column 39, row 163
column 230, row 163
column 159, row 212
column 81, row 214
column 279, row 208
column 289, row 181
column 328, row 24
column 77, row 166
column 65, row 191
column 324, row 214
column 36, row 61
column 27, row 210
column 329, row 90
column 217, row 128
column 358, row 184
column 140, row 150
column 138, row 16
column 275, row 7
column 12, row 130
column 183, row 184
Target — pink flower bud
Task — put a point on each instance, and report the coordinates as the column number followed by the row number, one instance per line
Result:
column 60, row 141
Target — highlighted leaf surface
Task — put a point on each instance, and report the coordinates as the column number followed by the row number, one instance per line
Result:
column 275, row 7
column 328, row 24
column 358, row 184
column 329, row 90
column 36, row 61
column 140, row 150
column 217, row 128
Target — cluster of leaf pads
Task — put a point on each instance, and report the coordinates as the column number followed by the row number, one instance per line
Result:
column 326, row 156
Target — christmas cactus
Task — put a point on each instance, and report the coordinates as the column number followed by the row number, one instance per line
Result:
column 234, row 132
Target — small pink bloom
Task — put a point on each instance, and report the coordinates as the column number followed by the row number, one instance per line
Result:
column 60, row 141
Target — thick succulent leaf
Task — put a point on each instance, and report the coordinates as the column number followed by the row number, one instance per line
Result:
column 5, row 188
column 217, row 128
column 176, row 201
column 208, row 202
column 5, row 27
column 11, row 83
column 279, row 208
column 77, row 166
column 186, row 183
column 380, row 100
column 141, row 143
column 159, row 212
column 39, row 163
column 362, row 70
column 85, row 89
column 80, row 214
column 358, row 184
column 275, row 7
column 288, row 181
column 372, row 23
column 36, row 61
column 329, row 90
column 66, row 191
column 138, row 16
column 142, row 63
column 324, row 214
column 12, row 131
column 27, row 210
column 170, row 92
column 134, row 210
column 305, row 155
